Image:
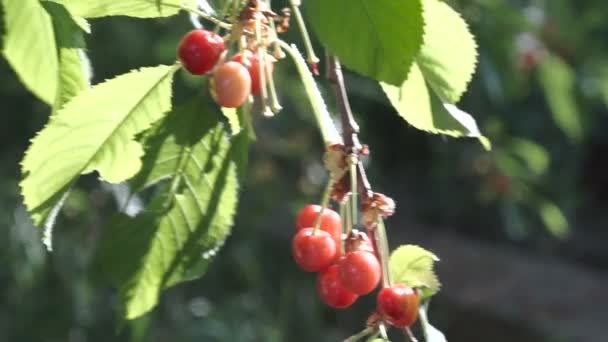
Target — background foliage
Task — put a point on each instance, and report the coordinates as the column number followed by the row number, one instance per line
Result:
column 540, row 95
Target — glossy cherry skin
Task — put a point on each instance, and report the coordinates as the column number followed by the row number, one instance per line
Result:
column 360, row 272
column 398, row 305
column 253, row 66
column 313, row 253
column 330, row 220
column 231, row 84
column 331, row 290
column 200, row 50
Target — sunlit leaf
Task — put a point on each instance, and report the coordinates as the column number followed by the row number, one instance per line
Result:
column 413, row 265
column 29, row 46
column 132, row 8
column 177, row 235
column 94, row 132
column 379, row 39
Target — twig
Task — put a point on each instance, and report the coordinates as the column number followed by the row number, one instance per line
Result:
column 350, row 128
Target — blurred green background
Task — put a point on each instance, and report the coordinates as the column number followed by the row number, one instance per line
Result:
column 528, row 218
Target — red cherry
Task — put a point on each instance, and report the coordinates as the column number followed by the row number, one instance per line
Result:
column 253, row 66
column 230, row 85
column 398, row 305
column 331, row 290
column 330, row 220
column 360, row 272
column 313, row 253
column 200, row 50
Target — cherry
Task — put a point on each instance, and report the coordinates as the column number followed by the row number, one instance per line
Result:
column 360, row 272
column 200, row 50
column 231, row 84
column 330, row 220
column 331, row 290
column 398, row 305
column 252, row 63
column 313, row 252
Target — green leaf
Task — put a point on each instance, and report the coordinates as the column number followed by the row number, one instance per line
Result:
column 448, row 55
column 534, row 155
column 431, row 334
column 423, row 110
column 557, row 80
column 379, row 39
column 413, row 265
column 73, row 73
column 324, row 120
column 174, row 239
column 132, row 8
column 29, row 47
column 554, row 219
column 94, row 132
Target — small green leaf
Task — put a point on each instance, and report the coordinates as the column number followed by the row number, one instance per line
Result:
column 177, row 235
column 557, row 80
column 413, row 265
column 94, row 132
column 554, row 219
column 423, row 110
column 431, row 334
column 534, row 155
column 379, row 39
column 132, row 8
column 448, row 55
column 29, row 46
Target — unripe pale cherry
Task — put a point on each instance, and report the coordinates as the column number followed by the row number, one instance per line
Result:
column 199, row 51
column 252, row 63
column 313, row 252
column 398, row 305
column 332, row 291
column 230, row 84
column 360, row 272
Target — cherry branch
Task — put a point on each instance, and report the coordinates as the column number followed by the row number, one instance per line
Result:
column 353, row 149
column 350, row 128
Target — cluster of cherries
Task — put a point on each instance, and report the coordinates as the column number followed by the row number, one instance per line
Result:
column 343, row 278
column 348, row 266
column 202, row 52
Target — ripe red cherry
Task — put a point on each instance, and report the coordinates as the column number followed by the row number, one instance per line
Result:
column 398, row 305
column 231, row 84
column 200, row 50
column 253, row 66
column 313, row 253
column 330, row 220
column 360, row 272
column 331, row 290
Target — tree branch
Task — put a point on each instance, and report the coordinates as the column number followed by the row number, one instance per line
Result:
column 350, row 128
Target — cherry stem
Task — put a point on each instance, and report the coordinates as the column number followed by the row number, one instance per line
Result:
column 363, row 333
column 349, row 217
column 324, row 203
column 200, row 14
column 222, row 14
column 383, row 255
column 261, row 66
column 409, row 334
column 344, row 227
column 275, row 106
column 311, row 58
column 382, row 329
column 277, row 53
column 354, row 206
